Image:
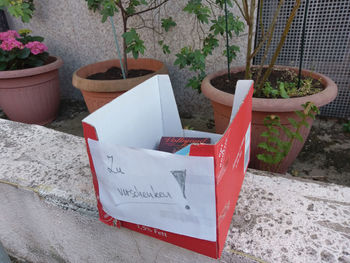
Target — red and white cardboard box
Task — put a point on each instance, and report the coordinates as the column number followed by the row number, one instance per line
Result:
column 184, row 200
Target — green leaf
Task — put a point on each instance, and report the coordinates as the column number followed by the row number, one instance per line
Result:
column 194, row 83
column 3, row 3
column 262, row 157
column 265, row 134
column 209, row 43
column 304, row 123
column 233, row 23
column 108, row 8
column 275, row 131
column 3, row 66
column 269, row 91
column 287, row 131
column 24, row 53
column 298, row 137
column 300, row 114
column 263, row 145
column 312, row 116
column 166, row 49
column 195, row 59
column 274, row 140
column 183, row 58
column 232, row 52
column 200, row 11
column 278, row 157
column 346, row 127
column 266, row 158
column 221, row 3
column 37, row 38
column 293, row 122
column 167, row 23
column 283, row 92
column 93, row 4
column 133, row 42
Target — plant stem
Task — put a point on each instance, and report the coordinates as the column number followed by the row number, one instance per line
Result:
column 280, row 44
column 269, row 31
column 117, row 46
column 299, row 125
column 269, row 40
column 227, row 44
column 125, row 29
column 149, row 9
column 250, row 22
column 249, row 50
column 302, row 43
column 241, row 10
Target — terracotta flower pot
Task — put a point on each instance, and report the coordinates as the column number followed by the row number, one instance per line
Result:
column 284, row 108
column 99, row 92
column 31, row 95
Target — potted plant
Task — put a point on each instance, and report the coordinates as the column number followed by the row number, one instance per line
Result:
column 103, row 81
column 29, row 83
column 279, row 91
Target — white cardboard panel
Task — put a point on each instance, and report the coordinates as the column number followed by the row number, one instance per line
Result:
column 133, row 119
column 242, row 89
column 167, row 191
column 170, row 117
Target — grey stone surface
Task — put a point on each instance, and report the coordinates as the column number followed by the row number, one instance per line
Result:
column 45, row 161
column 48, row 211
column 77, row 35
column 48, row 208
column 35, row 231
column 287, row 220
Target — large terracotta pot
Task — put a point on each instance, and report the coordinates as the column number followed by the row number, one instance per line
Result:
column 31, row 95
column 99, row 92
column 284, row 108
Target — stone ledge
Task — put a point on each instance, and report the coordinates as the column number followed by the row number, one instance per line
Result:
column 277, row 219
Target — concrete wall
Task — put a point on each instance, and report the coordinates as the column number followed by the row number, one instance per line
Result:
column 48, row 211
column 78, row 36
column 35, row 231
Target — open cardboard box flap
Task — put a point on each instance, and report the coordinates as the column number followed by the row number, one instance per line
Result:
column 185, row 200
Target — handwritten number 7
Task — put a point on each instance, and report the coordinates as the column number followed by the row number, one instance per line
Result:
column 116, row 170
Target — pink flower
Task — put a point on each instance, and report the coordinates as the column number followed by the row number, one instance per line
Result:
column 10, row 44
column 10, row 34
column 36, row 47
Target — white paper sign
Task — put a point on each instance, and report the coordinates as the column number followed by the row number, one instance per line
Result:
column 166, row 191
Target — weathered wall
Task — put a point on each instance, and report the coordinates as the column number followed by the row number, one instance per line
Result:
column 78, row 36
column 44, row 233
column 48, row 211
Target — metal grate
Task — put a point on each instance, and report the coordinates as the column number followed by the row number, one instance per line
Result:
column 327, row 44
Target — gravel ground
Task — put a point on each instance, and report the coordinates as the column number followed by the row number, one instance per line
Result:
column 326, row 153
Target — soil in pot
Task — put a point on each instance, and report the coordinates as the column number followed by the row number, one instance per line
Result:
column 97, row 92
column 310, row 87
column 116, row 73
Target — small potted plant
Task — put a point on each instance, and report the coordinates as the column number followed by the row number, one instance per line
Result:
column 29, row 84
column 103, row 81
column 279, row 91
